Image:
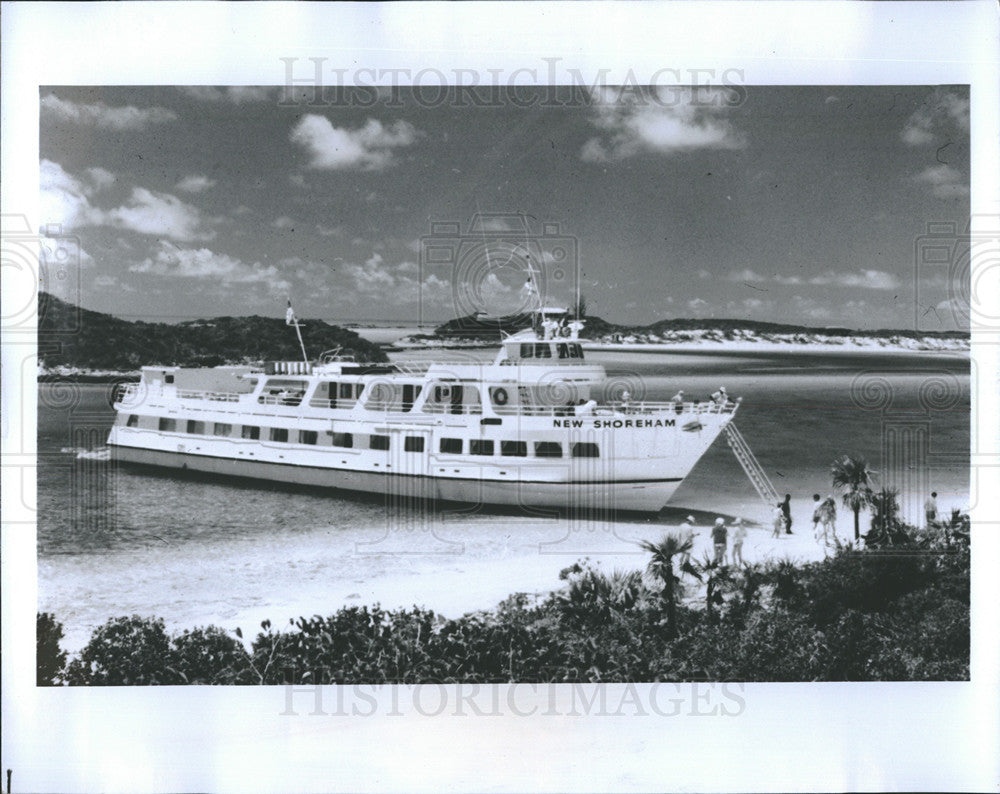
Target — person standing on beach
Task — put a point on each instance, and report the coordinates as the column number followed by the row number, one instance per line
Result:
column 786, row 511
column 719, row 533
column 931, row 508
column 687, row 536
column 739, row 535
column 824, row 515
column 778, row 517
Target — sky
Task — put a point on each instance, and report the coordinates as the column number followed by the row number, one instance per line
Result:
column 806, row 205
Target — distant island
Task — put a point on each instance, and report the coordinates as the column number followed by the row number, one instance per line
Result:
column 76, row 343
column 479, row 331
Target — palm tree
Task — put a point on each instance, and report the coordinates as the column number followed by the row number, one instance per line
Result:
column 661, row 566
column 852, row 476
column 886, row 529
column 597, row 598
column 714, row 575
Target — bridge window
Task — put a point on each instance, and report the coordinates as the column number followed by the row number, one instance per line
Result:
column 451, row 446
column 527, row 350
column 542, row 350
column 196, row 428
column 347, row 390
column 548, row 449
column 251, row 432
column 279, row 434
column 168, row 425
column 583, row 449
column 133, row 421
column 480, row 446
column 410, row 394
column 222, row 429
column 278, row 391
column 378, row 442
column 307, row 436
column 413, row 444
column 345, row 440
column 514, row 449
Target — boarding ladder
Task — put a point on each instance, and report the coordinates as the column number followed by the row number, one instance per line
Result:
column 758, row 477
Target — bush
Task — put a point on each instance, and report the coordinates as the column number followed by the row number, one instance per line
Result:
column 125, row 651
column 210, row 656
column 50, row 658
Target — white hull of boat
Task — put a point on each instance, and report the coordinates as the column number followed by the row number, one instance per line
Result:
column 647, row 495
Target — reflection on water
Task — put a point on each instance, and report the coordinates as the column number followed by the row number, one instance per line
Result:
column 114, row 541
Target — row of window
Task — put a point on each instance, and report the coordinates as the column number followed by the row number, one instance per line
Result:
column 451, row 446
column 518, row 449
column 543, row 350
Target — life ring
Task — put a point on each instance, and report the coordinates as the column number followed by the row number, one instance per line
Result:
column 564, row 331
column 500, row 396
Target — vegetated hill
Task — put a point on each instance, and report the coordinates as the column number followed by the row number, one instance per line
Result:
column 479, row 328
column 476, row 326
column 72, row 337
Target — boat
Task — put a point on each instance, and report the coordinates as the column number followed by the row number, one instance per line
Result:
column 536, row 427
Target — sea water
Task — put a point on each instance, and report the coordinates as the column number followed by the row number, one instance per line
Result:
column 114, row 541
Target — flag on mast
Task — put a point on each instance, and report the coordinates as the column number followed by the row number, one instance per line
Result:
column 290, row 314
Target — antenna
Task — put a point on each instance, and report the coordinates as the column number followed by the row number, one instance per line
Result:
column 291, row 319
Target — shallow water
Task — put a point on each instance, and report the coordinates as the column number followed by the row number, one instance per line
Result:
column 116, row 541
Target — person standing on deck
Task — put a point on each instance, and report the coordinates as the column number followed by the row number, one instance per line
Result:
column 786, row 511
column 719, row 533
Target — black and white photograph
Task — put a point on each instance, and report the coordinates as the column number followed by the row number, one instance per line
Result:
column 582, row 394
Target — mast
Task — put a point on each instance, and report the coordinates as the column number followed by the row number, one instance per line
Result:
column 291, row 319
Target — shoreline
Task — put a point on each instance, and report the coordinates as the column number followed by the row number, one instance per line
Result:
column 709, row 346
column 460, row 586
column 83, row 375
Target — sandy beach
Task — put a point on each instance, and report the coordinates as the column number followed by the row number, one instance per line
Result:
column 450, row 582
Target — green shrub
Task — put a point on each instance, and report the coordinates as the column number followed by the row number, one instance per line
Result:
column 50, row 658
column 125, row 651
column 209, row 655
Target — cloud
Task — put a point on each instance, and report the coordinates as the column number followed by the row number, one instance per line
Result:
column 202, row 263
column 678, row 122
column 65, row 199
column 395, row 285
column 284, row 222
column 865, row 279
column 100, row 178
column 234, row 94
column 942, row 116
column 946, row 182
column 160, row 214
column 369, row 147
column 104, row 116
column 195, row 183
column 329, row 231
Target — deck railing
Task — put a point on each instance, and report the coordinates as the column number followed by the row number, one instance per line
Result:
column 615, row 408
